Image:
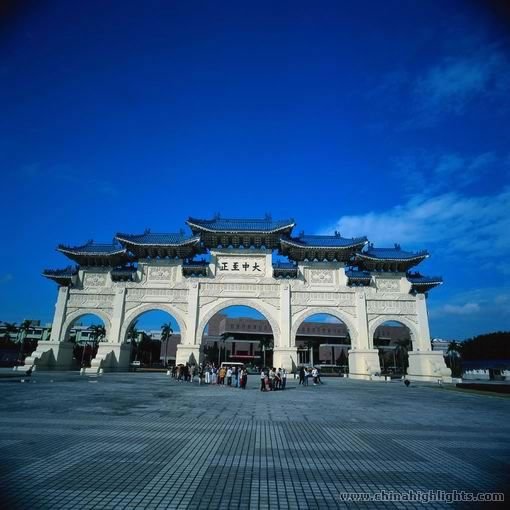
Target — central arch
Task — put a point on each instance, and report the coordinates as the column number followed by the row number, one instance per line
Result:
column 265, row 310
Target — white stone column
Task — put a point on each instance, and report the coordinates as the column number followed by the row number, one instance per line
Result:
column 425, row 364
column 363, row 361
column 188, row 351
column 423, row 340
column 117, row 317
column 284, row 353
column 57, row 335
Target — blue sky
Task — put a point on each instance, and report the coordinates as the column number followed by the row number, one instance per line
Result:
column 385, row 119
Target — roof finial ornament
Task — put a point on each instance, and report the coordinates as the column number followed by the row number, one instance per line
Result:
column 217, row 216
column 268, row 217
column 370, row 245
column 397, row 246
column 337, row 233
column 147, row 231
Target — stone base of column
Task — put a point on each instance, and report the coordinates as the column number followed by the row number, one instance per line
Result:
column 363, row 363
column 50, row 356
column 110, row 357
column 285, row 358
column 187, row 354
column 428, row 366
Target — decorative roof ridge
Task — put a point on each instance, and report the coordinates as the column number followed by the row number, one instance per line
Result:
column 115, row 247
column 300, row 242
column 419, row 276
column 399, row 254
column 274, row 225
column 284, row 265
column 135, row 238
column 336, row 235
column 67, row 271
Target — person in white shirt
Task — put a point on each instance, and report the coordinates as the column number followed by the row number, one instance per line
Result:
column 314, row 375
column 284, row 378
column 229, row 377
column 262, row 380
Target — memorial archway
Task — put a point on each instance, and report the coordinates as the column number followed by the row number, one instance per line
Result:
column 153, row 333
column 394, row 340
column 323, row 339
column 238, row 333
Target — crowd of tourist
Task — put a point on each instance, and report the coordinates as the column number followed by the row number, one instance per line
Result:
column 271, row 379
column 209, row 374
column 306, row 373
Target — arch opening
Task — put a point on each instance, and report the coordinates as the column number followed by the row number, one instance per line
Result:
column 86, row 331
column 322, row 339
column 153, row 336
column 238, row 334
column 393, row 339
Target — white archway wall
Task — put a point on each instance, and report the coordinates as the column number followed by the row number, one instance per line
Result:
column 136, row 312
column 208, row 312
column 379, row 321
column 74, row 316
column 299, row 318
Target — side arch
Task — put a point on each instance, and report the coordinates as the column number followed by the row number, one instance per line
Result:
column 133, row 314
column 378, row 321
column 264, row 309
column 73, row 316
column 299, row 318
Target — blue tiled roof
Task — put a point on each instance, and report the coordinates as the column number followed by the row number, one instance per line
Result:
column 195, row 263
column 359, row 275
column 61, row 273
column 152, row 239
column 284, row 265
column 123, row 270
column 92, row 248
column 240, row 225
column 424, row 280
column 335, row 241
column 395, row 253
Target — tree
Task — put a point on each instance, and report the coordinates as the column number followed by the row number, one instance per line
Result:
column 166, row 333
column 97, row 333
column 491, row 346
column 453, row 352
column 132, row 335
column 223, row 340
column 265, row 343
column 9, row 327
column 23, row 329
column 402, row 348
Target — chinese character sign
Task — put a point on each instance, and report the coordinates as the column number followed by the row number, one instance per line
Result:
column 249, row 266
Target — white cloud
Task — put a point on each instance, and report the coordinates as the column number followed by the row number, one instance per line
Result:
column 466, row 309
column 434, row 172
column 451, row 222
column 454, row 82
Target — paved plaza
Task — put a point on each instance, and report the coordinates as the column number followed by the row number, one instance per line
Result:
column 142, row 440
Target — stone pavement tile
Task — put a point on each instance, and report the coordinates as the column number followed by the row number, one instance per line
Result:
column 144, row 441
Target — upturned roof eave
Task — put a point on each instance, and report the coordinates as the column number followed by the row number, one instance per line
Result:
column 365, row 256
column 70, row 251
column 190, row 241
column 296, row 244
column 192, row 225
